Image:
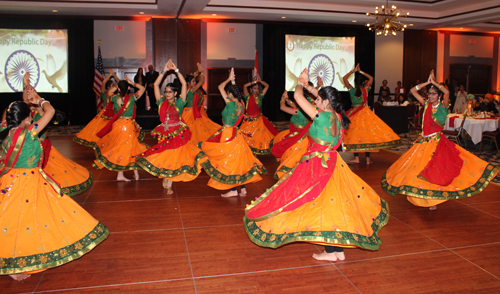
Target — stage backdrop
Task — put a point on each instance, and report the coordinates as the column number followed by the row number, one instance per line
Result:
column 73, row 93
column 275, row 42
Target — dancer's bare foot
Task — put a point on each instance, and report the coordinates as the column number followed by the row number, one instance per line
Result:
column 231, row 193
column 121, row 177
column 368, row 160
column 136, row 174
column 352, row 161
column 19, row 277
column 325, row 256
column 167, row 184
column 340, row 255
column 243, row 192
column 433, row 207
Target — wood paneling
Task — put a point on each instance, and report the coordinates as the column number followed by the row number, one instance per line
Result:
column 420, row 55
column 216, row 76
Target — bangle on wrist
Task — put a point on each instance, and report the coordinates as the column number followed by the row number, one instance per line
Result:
column 163, row 72
column 41, row 105
column 417, row 87
column 361, row 72
column 233, row 82
column 177, row 70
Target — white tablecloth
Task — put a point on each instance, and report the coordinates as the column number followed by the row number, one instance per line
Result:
column 474, row 127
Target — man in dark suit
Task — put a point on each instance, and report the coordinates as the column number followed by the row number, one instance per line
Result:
column 151, row 76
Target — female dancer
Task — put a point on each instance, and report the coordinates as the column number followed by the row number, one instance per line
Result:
column 201, row 126
column 290, row 145
column 72, row 177
column 120, row 137
column 321, row 200
column 435, row 169
column 41, row 227
column 260, row 132
column 231, row 161
column 367, row 132
column 140, row 78
column 175, row 158
column 88, row 135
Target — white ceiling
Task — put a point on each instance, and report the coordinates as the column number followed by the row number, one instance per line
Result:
column 461, row 15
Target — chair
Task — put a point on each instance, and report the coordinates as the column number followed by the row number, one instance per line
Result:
column 492, row 137
column 455, row 135
column 412, row 110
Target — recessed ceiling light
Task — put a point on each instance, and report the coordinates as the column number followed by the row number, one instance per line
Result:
column 354, row 21
column 54, row 10
column 283, row 17
column 214, row 14
column 141, row 12
column 411, row 25
column 461, row 28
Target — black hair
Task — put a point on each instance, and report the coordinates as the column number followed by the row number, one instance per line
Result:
column 188, row 78
column 16, row 113
column 123, row 88
column 233, row 89
column 359, row 79
column 249, row 88
column 173, row 87
column 108, row 84
column 335, row 100
column 440, row 93
column 139, row 69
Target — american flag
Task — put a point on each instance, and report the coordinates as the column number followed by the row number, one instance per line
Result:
column 98, row 78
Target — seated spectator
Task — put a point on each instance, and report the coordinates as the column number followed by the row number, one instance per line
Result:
column 402, row 99
column 488, row 104
column 400, row 90
column 382, row 88
column 461, row 102
column 385, row 96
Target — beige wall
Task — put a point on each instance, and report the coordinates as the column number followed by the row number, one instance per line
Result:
column 223, row 45
column 129, row 43
column 388, row 61
column 460, row 46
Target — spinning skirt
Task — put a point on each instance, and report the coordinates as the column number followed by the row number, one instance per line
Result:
column 231, row 163
column 403, row 177
column 259, row 134
column 40, row 229
column 326, row 206
column 116, row 150
column 201, row 128
column 72, row 177
column 367, row 132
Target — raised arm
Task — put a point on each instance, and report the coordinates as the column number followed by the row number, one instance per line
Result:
column 266, row 85
column 140, row 88
column 201, row 77
column 369, row 77
column 158, row 81
column 346, row 77
column 446, row 92
column 47, row 112
column 181, row 79
column 416, row 94
column 106, row 79
column 284, row 107
column 245, row 87
column 222, row 86
column 307, row 107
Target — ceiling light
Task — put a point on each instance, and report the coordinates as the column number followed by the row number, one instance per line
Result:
column 386, row 20
column 214, row 14
column 283, row 17
column 54, row 10
column 354, row 21
column 141, row 12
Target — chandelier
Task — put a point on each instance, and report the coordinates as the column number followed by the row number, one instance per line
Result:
column 387, row 20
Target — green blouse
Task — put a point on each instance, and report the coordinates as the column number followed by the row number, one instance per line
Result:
column 229, row 116
column 355, row 99
column 130, row 110
column 104, row 99
column 30, row 153
column 321, row 128
column 300, row 119
column 42, row 134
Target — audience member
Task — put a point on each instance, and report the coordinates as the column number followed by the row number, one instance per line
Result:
column 385, row 95
column 151, row 76
column 400, row 90
column 461, row 100
column 382, row 88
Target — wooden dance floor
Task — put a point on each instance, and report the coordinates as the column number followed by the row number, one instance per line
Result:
column 193, row 242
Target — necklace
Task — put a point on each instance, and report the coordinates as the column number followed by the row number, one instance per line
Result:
column 434, row 107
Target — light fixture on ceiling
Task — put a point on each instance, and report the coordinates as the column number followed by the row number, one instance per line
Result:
column 387, row 20
column 354, row 21
column 141, row 12
column 54, row 10
column 283, row 17
column 214, row 14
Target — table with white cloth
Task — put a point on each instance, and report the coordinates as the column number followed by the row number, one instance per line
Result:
column 473, row 126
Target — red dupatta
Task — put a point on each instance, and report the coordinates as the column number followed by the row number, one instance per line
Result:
column 196, row 109
column 14, row 151
column 109, row 125
column 216, row 137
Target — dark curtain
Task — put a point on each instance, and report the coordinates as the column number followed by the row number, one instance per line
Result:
column 79, row 103
column 274, row 58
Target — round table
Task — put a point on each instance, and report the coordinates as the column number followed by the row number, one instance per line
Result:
column 473, row 126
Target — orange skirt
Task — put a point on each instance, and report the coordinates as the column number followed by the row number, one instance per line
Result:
column 326, row 207
column 403, row 176
column 201, row 128
column 280, row 136
column 231, row 163
column 367, row 132
column 257, row 136
column 116, row 150
column 40, row 229
column 72, row 177
column 182, row 164
column 88, row 135
column 291, row 157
